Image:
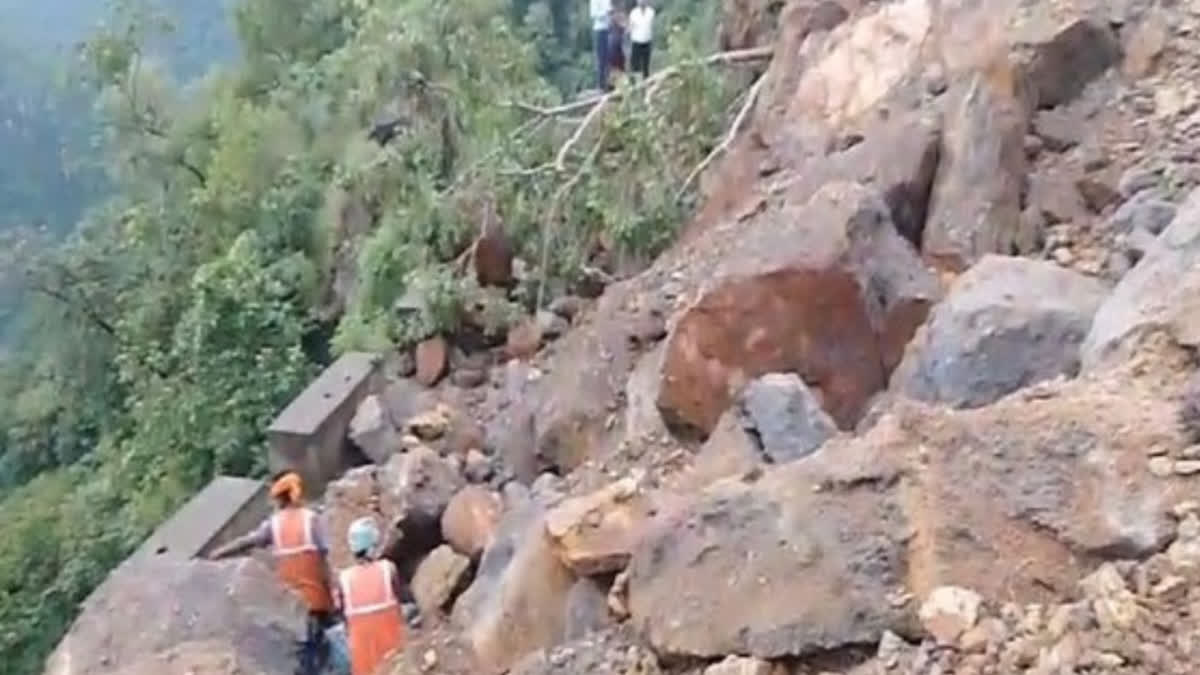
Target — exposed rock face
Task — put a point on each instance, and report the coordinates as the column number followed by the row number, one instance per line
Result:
column 793, row 297
column 439, row 578
column 1161, row 293
column 1004, row 325
column 935, row 497
column 190, row 616
column 517, row 603
column 372, row 431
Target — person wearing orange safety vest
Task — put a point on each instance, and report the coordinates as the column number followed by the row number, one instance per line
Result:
column 369, row 596
column 297, row 542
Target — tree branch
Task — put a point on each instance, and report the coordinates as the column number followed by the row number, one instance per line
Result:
column 734, row 127
column 730, row 57
column 88, row 312
column 560, row 160
column 552, row 215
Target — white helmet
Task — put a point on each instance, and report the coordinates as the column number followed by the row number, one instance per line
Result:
column 362, row 536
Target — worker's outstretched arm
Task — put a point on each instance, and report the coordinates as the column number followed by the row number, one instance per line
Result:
column 260, row 537
column 235, row 547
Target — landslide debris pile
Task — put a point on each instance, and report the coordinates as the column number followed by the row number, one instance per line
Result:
column 915, row 393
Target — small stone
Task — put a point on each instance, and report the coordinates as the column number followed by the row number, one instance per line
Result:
column 1137, row 179
column 1063, row 256
column 1186, row 508
column 524, row 340
column 477, row 468
column 431, row 425
column 468, row 378
column 1171, row 589
column 567, row 306
column 431, row 356
column 1162, row 467
column 974, row 641
column 1096, row 194
column 1187, row 467
column 949, row 612
column 429, row 660
column 739, row 665
column 1190, row 452
column 551, row 325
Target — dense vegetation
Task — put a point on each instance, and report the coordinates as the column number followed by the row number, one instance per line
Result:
column 157, row 339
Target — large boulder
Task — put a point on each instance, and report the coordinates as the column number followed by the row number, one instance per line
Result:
column 1004, row 325
column 1038, row 486
column 1160, row 294
column 976, row 206
column 371, row 430
column 470, row 520
column 158, row 615
column 518, row 601
column 828, row 290
column 766, row 569
column 439, row 578
column 408, row 494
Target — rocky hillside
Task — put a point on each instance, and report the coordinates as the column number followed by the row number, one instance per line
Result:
column 915, row 393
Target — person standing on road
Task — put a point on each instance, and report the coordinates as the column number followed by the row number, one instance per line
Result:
column 641, row 37
column 297, row 542
column 601, row 13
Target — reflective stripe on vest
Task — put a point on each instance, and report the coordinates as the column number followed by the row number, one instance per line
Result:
column 292, row 532
column 367, row 588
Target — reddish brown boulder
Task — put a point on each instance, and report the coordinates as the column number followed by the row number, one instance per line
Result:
column 494, row 258
column 524, row 339
column 470, row 520
column 800, row 292
column 432, row 357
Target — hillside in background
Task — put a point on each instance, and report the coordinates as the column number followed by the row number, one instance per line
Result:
column 246, row 229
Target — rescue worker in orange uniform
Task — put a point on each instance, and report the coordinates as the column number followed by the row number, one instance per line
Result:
column 369, row 596
column 297, row 542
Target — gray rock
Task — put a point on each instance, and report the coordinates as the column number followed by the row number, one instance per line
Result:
column 1147, row 210
column 785, row 417
column 551, row 325
column 1059, row 129
column 976, row 206
column 1006, row 324
column 1058, row 60
column 587, row 609
column 768, row 569
column 372, row 432
column 1161, row 293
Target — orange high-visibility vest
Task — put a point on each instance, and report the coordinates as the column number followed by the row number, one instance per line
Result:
column 297, row 559
column 374, row 621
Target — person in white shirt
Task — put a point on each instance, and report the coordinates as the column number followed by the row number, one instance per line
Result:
column 601, row 12
column 641, row 36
